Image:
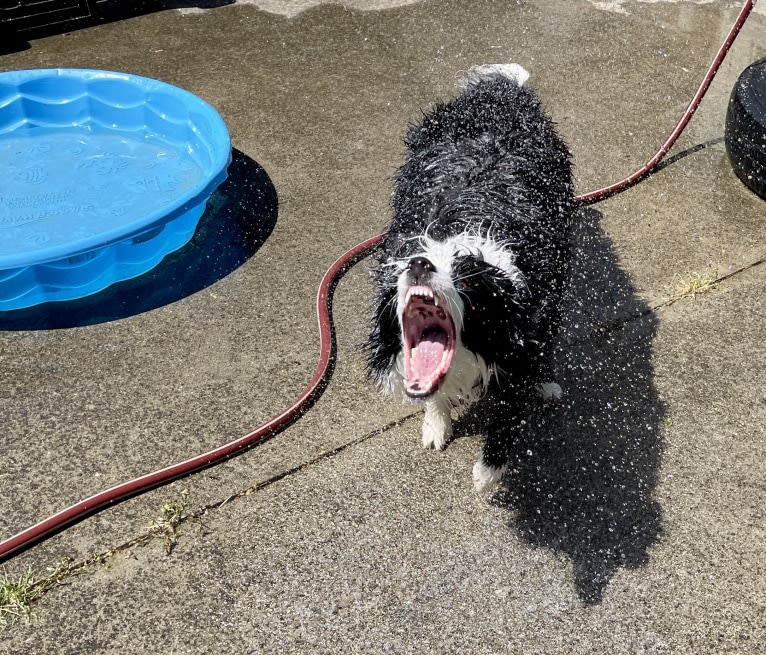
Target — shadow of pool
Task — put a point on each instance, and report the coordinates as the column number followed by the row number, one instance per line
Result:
column 238, row 219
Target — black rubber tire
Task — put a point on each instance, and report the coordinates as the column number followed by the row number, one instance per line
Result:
column 746, row 127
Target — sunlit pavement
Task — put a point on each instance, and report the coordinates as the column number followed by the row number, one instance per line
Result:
column 631, row 520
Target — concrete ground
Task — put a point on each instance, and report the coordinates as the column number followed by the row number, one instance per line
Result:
column 632, row 520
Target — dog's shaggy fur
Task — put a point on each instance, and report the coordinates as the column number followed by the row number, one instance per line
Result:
column 471, row 270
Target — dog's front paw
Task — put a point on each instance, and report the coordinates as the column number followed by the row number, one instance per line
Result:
column 437, row 425
column 485, row 477
column 436, row 435
column 550, row 391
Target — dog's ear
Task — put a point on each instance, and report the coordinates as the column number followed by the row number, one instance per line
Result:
column 495, row 316
column 471, row 273
column 383, row 342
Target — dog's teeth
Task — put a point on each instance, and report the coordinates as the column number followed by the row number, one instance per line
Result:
column 425, row 293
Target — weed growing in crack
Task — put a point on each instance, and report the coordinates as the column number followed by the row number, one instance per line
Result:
column 18, row 595
column 693, row 284
column 167, row 525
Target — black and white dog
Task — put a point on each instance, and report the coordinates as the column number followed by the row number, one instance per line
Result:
column 472, row 267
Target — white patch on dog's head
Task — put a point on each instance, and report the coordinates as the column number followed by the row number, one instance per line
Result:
column 442, row 255
column 431, row 317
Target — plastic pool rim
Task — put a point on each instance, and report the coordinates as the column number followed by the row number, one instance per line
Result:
column 120, row 106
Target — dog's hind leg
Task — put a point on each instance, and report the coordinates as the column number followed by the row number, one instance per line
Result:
column 547, row 388
column 486, row 476
column 507, row 417
column 437, row 424
column 549, row 391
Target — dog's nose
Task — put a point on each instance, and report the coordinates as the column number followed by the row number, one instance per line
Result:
column 420, row 267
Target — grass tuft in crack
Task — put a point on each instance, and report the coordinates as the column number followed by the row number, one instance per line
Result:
column 693, row 284
column 167, row 525
column 18, row 595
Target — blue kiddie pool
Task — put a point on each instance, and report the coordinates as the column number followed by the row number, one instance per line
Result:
column 102, row 174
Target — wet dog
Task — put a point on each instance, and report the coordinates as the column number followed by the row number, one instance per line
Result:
column 470, row 272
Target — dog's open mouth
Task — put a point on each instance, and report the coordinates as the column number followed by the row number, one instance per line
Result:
column 429, row 341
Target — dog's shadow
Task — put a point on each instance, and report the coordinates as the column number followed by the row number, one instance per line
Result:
column 582, row 478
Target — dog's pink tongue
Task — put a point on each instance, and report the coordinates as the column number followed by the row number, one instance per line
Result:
column 426, row 360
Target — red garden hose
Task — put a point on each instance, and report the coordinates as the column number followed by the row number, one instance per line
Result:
column 325, row 365
column 651, row 165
